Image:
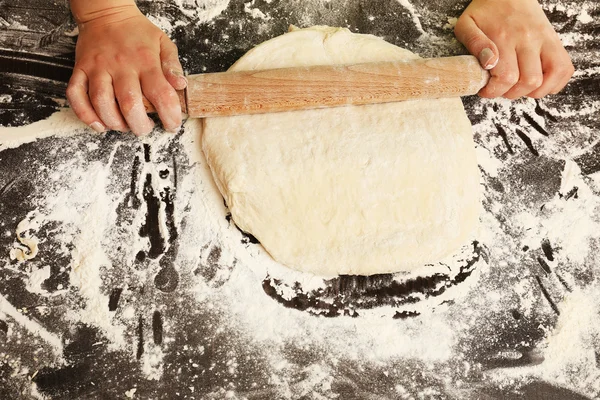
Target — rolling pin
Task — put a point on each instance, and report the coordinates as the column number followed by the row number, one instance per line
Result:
column 300, row 88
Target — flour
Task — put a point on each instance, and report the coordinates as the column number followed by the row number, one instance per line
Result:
column 162, row 22
column 255, row 12
column 88, row 256
column 241, row 301
column 194, row 12
column 62, row 123
column 26, row 246
column 537, row 207
column 32, row 327
column 584, row 17
column 202, row 10
column 37, row 278
column 414, row 15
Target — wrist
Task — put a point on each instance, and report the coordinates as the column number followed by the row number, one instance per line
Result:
column 87, row 11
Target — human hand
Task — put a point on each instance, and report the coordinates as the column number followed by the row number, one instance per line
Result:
column 121, row 55
column 515, row 40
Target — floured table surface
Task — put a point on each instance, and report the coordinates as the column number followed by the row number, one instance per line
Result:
column 134, row 283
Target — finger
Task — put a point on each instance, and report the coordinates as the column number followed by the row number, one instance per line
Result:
column 129, row 95
column 164, row 98
column 170, row 64
column 468, row 33
column 504, row 75
column 564, row 72
column 530, row 73
column 103, row 99
column 557, row 68
column 77, row 94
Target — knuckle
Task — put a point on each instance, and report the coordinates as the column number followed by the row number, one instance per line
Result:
column 83, row 116
column 98, row 59
column 123, row 58
column 152, row 94
column 532, row 81
column 569, row 70
column 503, row 35
column 87, row 65
column 84, row 112
column 173, row 51
column 71, row 92
column 160, row 93
column 472, row 42
column 461, row 23
column 127, row 103
column 168, row 44
column 100, row 96
column 525, row 34
column 488, row 92
column 146, row 56
column 508, row 78
column 563, row 69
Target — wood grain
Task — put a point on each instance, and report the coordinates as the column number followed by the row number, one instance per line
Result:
column 288, row 89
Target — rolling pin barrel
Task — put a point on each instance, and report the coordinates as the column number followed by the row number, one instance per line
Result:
column 289, row 89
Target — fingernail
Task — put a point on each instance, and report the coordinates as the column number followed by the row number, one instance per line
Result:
column 178, row 73
column 173, row 130
column 485, row 58
column 97, row 126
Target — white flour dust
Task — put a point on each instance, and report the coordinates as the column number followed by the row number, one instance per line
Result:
column 192, row 11
column 414, row 15
column 540, row 228
column 202, row 10
column 83, row 203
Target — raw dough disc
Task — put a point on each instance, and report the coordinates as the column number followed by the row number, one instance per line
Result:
column 351, row 190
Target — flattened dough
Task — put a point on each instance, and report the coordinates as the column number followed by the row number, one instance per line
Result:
column 351, row 190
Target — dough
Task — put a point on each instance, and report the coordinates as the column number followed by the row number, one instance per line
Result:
column 350, row 190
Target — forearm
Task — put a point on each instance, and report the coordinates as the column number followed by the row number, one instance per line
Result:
column 85, row 11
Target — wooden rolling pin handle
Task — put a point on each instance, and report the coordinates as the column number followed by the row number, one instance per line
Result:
column 182, row 100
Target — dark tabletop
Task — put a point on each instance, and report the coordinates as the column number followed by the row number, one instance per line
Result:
column 542, row 250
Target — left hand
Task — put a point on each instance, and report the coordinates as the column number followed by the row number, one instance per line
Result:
column 121, row 56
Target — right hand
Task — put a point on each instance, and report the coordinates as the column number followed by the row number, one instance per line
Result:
column 516, row 42
column 121, row 55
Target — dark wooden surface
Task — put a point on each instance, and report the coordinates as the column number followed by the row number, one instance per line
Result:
column 35, row 61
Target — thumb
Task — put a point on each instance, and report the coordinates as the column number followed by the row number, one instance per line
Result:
column 170, row 64
column 468, row 33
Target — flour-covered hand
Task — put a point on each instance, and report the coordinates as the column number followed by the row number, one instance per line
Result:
column 121, row 56
column 516, row 42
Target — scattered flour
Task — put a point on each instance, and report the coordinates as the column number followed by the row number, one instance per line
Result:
column 255, row 12
column 61, row 123
column 26, row 246
column 83, row 205
column 414, row 15
column 202, row 10
column 584, row 17
column 36, row 278
column 33, row 327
